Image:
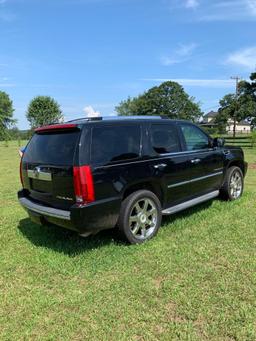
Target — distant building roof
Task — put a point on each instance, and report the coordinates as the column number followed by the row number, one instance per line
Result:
column 211, row 114
column 243, row 123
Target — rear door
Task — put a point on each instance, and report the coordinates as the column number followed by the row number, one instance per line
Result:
column 169, row 163
column 47, row 167
column 115, row 150
column 205, row 163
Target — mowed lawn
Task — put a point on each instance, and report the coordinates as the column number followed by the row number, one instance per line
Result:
column 195, row 281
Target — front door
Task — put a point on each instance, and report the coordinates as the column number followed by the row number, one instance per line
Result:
column 205, row 162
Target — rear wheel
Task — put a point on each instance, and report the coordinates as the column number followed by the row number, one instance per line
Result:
column 234, row 184
column 140, row 217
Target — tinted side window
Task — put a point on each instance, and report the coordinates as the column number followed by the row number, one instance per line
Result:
column 195, row 139
column 164, row 138
column 115, row 143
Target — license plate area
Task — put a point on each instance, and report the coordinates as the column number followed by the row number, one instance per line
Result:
column 41, row 186
column 39, row 175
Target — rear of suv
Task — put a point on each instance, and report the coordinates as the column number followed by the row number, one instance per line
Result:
column 93, row 174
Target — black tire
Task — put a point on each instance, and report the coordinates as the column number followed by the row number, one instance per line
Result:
column 140, row 211
column 227, row 191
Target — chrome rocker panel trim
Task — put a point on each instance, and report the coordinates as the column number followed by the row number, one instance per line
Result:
column 46, row 211
column 190, row 203
column 196, row 179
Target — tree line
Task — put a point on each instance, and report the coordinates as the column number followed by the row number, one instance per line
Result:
column 168, row 99
column 41, row 110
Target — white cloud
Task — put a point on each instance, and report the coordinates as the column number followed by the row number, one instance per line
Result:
column 191, row 4
column 251, row 4
column 180, row 54
column 217, row 10
column 244, row 58
column 229, row 10
column 7, row 85
column 90, row 112
column 209, row 83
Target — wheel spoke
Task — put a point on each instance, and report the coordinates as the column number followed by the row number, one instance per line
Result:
column 150, row 222
column 136, row 228
column 138, row 208
column 151, row 212
column 145, row 205
column 133, row 218
column 143, row 232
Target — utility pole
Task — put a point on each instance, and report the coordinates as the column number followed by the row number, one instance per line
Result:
column 237, row 79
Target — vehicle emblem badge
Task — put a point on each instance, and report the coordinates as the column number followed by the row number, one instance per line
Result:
column 36, row 172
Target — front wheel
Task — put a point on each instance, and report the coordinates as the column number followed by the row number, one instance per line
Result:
column 234, row 184
column 140, row 217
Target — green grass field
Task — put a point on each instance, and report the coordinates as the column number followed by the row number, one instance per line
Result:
column 195, row 281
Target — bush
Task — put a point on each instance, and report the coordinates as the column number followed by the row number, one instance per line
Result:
column 253, row 136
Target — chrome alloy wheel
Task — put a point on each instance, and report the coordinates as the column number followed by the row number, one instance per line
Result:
column 143, row 218
column 236, row 185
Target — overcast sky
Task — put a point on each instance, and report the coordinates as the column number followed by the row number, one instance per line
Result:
column 91, row 54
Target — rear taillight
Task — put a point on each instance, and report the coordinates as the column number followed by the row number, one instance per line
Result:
column 21, row 176
column 83, row 185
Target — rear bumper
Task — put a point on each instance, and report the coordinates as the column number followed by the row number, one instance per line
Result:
column 44, row 210
column 91, row 218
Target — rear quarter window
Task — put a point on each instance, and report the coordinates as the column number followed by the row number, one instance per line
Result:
column 164, row 138
column 52, row 148
column 115, row 143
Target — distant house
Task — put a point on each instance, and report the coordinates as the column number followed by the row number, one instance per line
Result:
column 242, row 127
column 208, row 118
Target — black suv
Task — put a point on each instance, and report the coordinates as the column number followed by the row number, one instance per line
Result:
column 126, row 172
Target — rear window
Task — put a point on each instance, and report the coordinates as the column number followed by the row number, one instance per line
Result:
column 52, row 148
column 115, row 143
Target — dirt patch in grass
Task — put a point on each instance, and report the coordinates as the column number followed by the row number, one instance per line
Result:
column 252, row 166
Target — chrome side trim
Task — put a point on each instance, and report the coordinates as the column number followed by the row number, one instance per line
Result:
column 194, row 180
column 190, row 203
column 37, row 174
column 161, row 157
column 44, row 210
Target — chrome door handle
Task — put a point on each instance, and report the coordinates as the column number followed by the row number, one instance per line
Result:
column 195, row 161
column 160, row 165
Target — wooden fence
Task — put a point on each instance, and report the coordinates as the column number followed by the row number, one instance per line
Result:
column 241, row 141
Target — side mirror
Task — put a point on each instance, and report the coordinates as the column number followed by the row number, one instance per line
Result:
column 218, row 142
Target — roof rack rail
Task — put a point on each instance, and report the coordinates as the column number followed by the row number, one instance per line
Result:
column 98, row 118
column 132, row 117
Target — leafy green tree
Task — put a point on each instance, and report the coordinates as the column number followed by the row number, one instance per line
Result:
column 6, row 114
column 234, row 109
column 43, row 110
column 168, row 99
column 247, row 90
column 14, row 133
